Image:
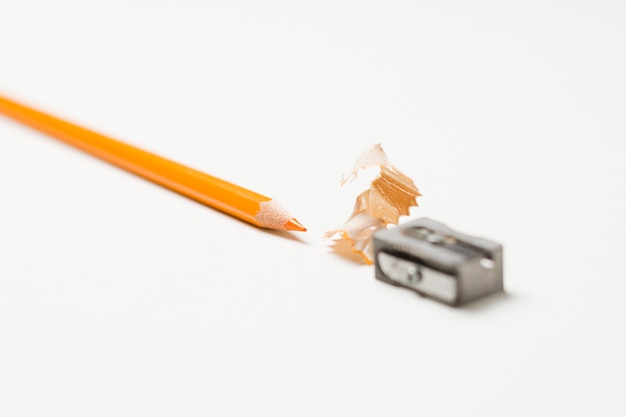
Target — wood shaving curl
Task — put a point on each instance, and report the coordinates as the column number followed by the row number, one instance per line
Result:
column 391, row 195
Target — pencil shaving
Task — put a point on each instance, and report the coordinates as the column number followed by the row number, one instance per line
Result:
column 390, row 195
column 373, row 156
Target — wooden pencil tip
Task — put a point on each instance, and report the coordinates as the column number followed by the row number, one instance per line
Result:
column 293, row 224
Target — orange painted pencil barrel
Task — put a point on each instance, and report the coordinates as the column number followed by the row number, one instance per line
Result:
column 232, row 199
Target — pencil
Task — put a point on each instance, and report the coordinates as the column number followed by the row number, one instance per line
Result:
column 232, row 199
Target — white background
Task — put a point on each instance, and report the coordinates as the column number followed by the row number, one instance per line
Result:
column 119, row 298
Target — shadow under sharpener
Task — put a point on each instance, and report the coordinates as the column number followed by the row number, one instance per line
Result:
column 435, row 261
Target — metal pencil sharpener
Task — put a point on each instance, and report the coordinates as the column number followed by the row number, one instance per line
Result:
column 430, row 258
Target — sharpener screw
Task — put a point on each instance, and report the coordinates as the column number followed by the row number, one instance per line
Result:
column 415, row 275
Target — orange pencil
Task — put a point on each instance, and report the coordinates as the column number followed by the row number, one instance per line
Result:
column 230, row 198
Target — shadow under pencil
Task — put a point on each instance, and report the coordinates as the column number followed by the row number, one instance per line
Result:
column 282, row 234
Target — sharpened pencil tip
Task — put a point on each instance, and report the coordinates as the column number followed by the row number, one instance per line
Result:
column 293, row 224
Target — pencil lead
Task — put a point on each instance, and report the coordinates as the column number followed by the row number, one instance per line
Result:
column 293, row 224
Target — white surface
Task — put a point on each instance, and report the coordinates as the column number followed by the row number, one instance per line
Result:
column 119, row 298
